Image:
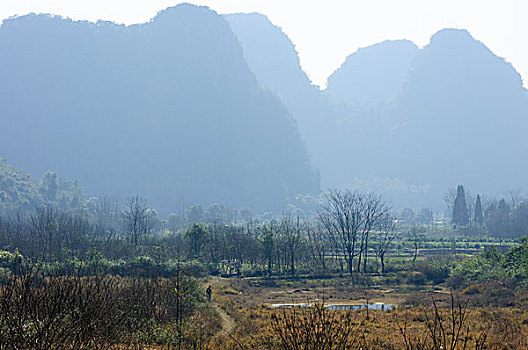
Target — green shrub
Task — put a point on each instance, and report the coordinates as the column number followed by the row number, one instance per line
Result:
column 436, row 270
column 417, row 278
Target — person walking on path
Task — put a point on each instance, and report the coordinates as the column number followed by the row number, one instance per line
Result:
column 209, row 292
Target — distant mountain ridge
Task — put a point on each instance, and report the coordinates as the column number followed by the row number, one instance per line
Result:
column 167, row 109
column 460, row 118
column 457, row 87
column 274, row 60
column 279, row 70
column 407, row 120
column 217, row 109
column 373, row 74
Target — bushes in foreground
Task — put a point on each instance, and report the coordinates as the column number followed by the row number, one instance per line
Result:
column 96, row 312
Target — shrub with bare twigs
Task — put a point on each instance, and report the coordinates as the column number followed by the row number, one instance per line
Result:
column 314, row 328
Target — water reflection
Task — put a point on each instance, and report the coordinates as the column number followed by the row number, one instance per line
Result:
column 353, row 307
column 383, row 307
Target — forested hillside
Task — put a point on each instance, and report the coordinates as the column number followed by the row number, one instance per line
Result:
column 167, row 109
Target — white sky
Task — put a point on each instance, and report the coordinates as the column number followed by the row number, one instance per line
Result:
column 326, row 31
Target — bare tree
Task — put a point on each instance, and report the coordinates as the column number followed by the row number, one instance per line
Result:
column 471, row 199
column 318, row 243
column 415, row 237
column 341, row 220
column 515, row 197
column 291, row 235
column 135, row 217
column 267, row 240
column 349, row 217
column 374, row 210
column 385, row 235
column 449, row 199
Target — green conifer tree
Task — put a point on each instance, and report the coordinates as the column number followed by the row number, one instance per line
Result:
column 479, row 215
column 460, row 209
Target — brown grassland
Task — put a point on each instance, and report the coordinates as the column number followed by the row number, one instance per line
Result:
column 440, row 321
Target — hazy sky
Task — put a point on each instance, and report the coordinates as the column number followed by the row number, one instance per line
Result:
column 327, row 31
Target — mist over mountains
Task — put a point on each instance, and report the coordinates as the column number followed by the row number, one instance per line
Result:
column 272, row 57
column 467, row 114
column 167, row 109
column 373, row 74
column 210, row 108
column 416, row 121
column 460, row 118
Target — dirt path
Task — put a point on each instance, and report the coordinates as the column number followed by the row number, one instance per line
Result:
column 227, row 321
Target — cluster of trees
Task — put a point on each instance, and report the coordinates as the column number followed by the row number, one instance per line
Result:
column 351, row 231
column 495, row 265
column 349, row 218
column 19, row 189
column 90, row 278
column 350, row 228
column 409, row 216
column 503, row 218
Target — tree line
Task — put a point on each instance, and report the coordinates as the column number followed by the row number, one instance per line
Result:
column 351, row 233
column 503, row 217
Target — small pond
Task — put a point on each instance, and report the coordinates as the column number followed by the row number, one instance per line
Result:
column 353, row 307
column 383, row 307
column 289, row 306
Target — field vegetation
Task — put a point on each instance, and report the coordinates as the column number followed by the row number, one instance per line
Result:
column 110, row 275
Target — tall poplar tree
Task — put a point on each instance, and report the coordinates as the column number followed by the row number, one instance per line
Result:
column 460, row 208
column 479, row 215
